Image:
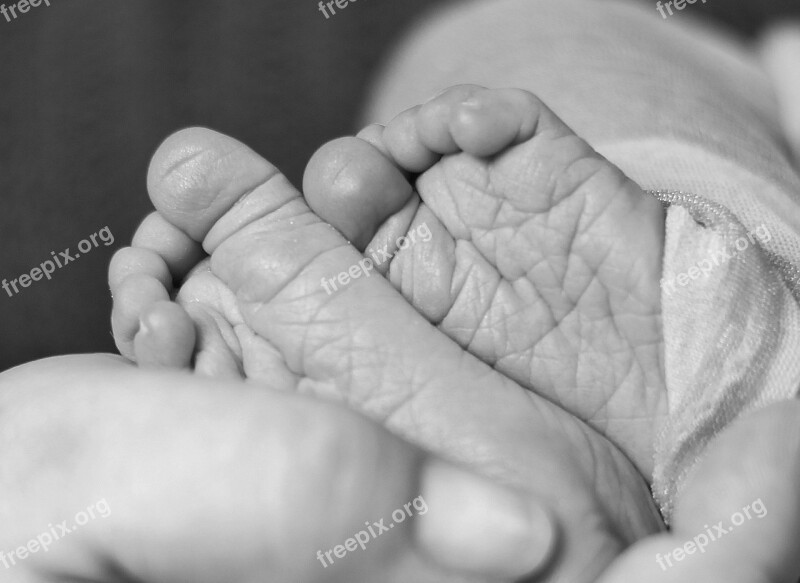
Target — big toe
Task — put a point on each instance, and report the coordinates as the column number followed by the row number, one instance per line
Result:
column 197, row 175
column 355, row 187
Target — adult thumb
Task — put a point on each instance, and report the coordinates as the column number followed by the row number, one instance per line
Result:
column 211, row 480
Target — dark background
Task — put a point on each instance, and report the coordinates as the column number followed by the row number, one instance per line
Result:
column 89, row 88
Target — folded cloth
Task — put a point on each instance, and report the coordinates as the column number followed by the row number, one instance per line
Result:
column 690, row 114
column 731, row 328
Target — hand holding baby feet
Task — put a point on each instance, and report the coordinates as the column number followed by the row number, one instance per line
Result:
column 268, row 317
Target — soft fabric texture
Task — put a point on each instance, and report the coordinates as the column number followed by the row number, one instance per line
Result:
column 732, row 331
column 681, row 108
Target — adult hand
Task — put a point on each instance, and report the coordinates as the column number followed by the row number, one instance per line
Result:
column 738, row 518
column 111, row 472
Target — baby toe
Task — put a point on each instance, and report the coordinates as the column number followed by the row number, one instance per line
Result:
column 166, row 337
column 406, row 145
column 373, row 134
column 433, row 118
column 133, row 296
column 179, row 251
column 494, row 119
column 349, row 184
column 197, row 175
column 135, row 261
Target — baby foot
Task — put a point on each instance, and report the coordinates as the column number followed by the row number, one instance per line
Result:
column 543, row 261
column 500, row 192
column 262, row 312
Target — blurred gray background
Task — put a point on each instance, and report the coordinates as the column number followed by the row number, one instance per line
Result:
column 89, row 88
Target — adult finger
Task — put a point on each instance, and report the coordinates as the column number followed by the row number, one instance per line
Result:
column 163, row 476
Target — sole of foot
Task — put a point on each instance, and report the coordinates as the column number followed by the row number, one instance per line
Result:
column 517, row 240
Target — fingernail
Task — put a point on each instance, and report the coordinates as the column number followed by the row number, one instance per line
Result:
column 476, row 526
